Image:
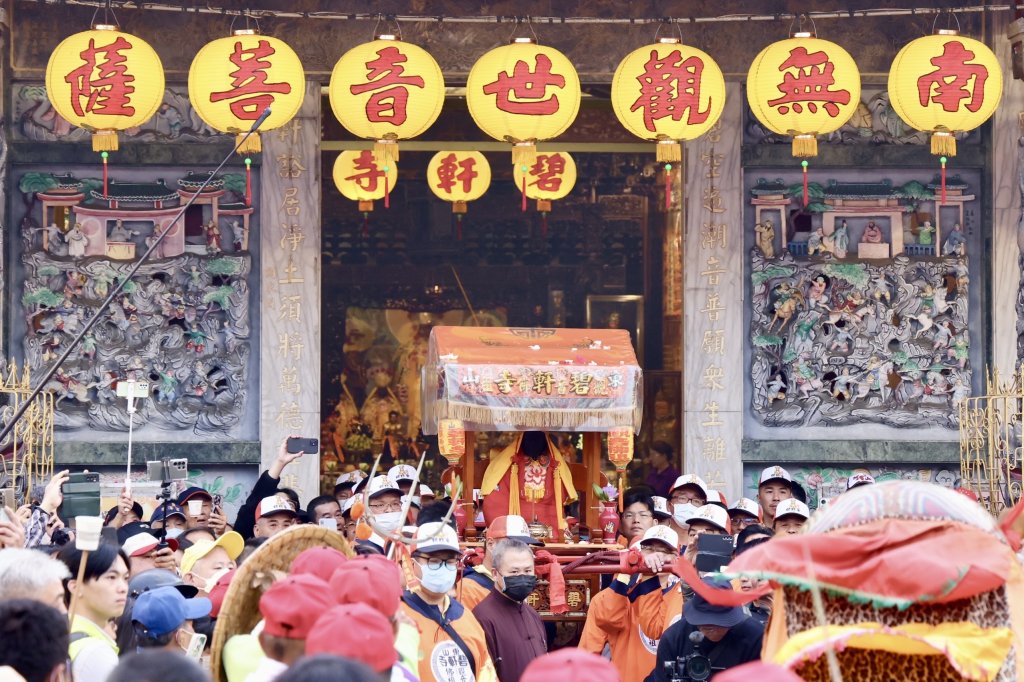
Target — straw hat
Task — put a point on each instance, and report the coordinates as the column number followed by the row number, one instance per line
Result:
column 241, row 608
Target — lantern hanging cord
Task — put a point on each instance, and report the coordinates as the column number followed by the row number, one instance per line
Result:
column 210, row 8
column 951, row 17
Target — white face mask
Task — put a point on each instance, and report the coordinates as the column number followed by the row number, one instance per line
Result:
column 389, row 521
column 209, row 583
column 173, row 533
column 438, row 580
column 682, row 512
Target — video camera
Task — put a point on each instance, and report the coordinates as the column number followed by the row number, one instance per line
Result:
column 694, row 667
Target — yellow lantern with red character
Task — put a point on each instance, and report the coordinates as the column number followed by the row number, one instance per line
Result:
column 233, row 80
column 386, row 90
column 551, row 176
column 360, row 176
column 620, row 453
column 803, row 87
column 458, row 177
column 523, row 93
column 105, row 80
column 451, row 440
column 668, row 92
column 945, row 84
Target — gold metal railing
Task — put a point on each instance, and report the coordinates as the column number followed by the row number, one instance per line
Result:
column 991, row 441
column 27, row 453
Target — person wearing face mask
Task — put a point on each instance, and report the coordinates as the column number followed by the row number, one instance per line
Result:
column 452, row 643
column 514, row 631
column 689, row 492
column 478, row 581
column 385, row 504
column 206, row 560
column 162, row 618
column 173, row 519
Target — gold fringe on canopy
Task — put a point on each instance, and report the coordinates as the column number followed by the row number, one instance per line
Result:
column 104, row 141
column 385, row 151
column 252, row 145
column 805, row 146
column 943, row 143
column 538, row 417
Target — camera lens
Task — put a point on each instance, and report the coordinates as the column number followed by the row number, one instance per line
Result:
column 698, row 668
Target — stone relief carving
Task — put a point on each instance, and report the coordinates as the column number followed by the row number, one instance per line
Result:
column 175, row 120
column 183, row 323
column 845, row 343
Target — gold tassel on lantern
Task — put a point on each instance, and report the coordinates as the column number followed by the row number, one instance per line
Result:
column 385, row 150
column 251, row 145
column 805, row 146
column 104, row 141
column 451, row 440
column 943, row 143
column 524, row 153
column 669, row 151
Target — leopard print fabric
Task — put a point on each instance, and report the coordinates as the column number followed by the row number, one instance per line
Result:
column 987, row 610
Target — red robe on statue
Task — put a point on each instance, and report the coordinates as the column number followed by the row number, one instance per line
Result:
column 543, row 487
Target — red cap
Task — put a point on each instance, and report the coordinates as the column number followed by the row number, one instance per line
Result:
column 219, row 591
column 321, row 562
column 570, row 665
column 756, row 670
column 372, row 580
column 354, row 631
column 291, row 606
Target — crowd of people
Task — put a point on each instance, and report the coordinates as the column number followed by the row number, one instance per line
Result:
column 408, row 603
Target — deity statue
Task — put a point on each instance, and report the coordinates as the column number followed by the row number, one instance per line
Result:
column 213, row 245
column 765, row 238
column 925, row 232
column 956, row 242
column 379, row 403
column 529, row 478
column 816, row 242
column 120, row 233
column 665, row 426
column 872, row 234
column 841, row 240
column 77, row 241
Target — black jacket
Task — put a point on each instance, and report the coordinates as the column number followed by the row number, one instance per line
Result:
column 740, row 645
column 265, row 487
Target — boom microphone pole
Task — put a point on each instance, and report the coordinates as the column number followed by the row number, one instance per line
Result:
column 20, row 412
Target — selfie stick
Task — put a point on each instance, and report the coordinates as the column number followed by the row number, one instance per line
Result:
column 121, row 282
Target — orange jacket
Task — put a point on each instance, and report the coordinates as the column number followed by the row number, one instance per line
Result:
column 471, row 593
column 659, row 608
column 438, row 651
column 616, row 612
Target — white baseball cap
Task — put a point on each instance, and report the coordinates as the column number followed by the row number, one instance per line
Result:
column 142, row 543
column 661, row 534
column 273, row 505
column 352, row 477
column 436, row 537
column 346, row 507
column 402, row 472
column 425, row 491
column 416, row 502
column 859, row 479
column 792, row 507
column 513, row 527
column 774, row 473
column 382, row 484
column 661, row 511
column 712, row 514
column 690, row 479
column 717, row 497
column 745, row 505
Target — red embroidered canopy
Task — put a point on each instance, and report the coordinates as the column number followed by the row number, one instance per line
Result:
column 520, row 379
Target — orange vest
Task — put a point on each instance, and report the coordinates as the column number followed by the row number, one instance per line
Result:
column 441, row 659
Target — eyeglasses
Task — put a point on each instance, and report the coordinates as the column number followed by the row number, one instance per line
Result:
column 437, row 563
column 629, row 516
column 385, row 507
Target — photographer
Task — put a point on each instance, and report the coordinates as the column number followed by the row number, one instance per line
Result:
column 708, row 640
column 266, row 485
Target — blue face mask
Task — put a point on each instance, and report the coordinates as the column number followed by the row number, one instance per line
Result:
column 438, row 580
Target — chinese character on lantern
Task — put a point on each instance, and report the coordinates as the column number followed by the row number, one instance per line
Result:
column 250, row 93
column 952, row 75
column 525, row 91
column 367, row 174
column 389, row 87
column 811, row 84
column 547, row 172
column 453, row 170
column 110, row 90
column 670, row 87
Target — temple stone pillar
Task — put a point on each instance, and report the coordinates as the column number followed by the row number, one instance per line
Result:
column 713, row 366
column 290, row 291
column 1007, row 219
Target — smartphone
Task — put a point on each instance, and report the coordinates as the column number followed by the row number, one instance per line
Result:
column 81, row 495
column 306, row 445
column 330, row 524
column 196, row 645
column 218, row 503
column 713, row 552
column 8, row 498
